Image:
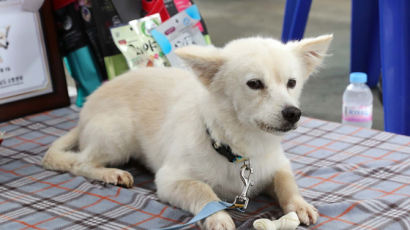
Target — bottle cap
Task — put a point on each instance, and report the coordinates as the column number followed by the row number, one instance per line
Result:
column 358, row 77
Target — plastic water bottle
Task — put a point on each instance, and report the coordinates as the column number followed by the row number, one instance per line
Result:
column 358, row 102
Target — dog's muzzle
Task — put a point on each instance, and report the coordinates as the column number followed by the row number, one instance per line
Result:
column 290, row 116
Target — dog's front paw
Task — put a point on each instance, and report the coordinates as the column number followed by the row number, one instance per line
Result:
column 306, row 212
column 118, row 177
column 219, row 221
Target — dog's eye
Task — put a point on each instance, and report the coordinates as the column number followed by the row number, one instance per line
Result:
column 255, row 84
column 291, row 83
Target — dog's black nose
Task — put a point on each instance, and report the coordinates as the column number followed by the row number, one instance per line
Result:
column 291, row 114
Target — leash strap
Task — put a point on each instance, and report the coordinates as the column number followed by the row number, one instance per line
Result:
column 209, row 209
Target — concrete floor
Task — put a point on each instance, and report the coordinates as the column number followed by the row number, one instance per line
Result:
column 322, row 96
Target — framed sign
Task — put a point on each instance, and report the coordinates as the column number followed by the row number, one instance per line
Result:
column 32, row 77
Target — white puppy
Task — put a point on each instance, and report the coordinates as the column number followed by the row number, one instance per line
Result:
column 246, row 96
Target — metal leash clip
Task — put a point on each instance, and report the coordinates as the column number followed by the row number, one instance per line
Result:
column 241, row 201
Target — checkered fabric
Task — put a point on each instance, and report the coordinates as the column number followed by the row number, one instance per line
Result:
column 357, row 178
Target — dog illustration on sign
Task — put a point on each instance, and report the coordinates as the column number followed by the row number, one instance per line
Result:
column 4, row 43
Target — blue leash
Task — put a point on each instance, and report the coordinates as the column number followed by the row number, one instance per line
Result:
column 209, row 209
column 240, row 203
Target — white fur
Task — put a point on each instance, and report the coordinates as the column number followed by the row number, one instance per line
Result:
column 159, row 116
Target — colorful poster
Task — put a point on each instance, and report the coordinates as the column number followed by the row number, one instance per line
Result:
column 136, row 43
column 179, row 31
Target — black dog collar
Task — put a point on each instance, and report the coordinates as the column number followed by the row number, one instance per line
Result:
column 225, row 150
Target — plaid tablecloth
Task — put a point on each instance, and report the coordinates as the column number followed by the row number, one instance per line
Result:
column 357, row 178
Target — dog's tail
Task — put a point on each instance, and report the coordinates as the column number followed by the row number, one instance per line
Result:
column 59, row 156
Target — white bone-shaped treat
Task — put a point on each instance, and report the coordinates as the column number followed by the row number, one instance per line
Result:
column 289, row 221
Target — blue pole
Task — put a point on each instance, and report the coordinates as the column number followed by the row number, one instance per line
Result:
column 364, row 45
column 294, row 22
column 287, row 19
column 395, row 57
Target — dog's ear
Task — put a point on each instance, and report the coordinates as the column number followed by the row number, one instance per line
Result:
column 205, row 61
column 312, row 51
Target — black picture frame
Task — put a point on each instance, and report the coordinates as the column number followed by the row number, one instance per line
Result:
column 59, row 95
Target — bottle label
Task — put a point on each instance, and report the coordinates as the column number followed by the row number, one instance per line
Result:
column 357, row 113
